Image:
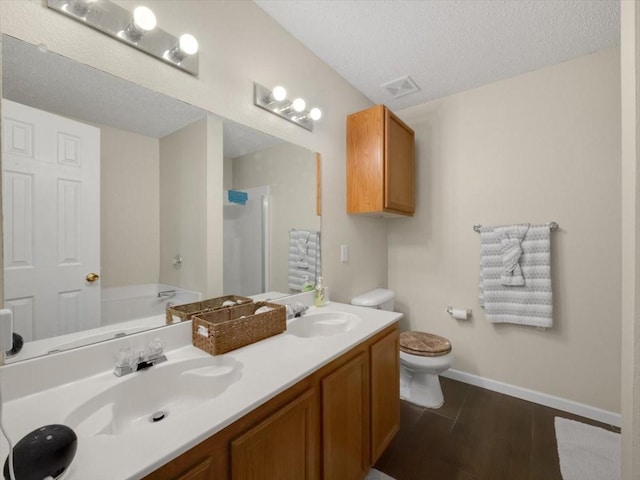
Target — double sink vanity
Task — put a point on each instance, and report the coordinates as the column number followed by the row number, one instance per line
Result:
column 319, row 401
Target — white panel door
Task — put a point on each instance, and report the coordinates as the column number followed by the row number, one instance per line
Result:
column 51, row 209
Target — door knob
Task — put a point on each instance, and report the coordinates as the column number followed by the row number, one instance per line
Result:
column 92, row 277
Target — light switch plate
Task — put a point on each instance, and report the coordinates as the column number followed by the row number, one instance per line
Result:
column 344, row 253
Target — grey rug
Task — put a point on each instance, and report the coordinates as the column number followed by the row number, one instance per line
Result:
column 377, row 475
column 587, row 452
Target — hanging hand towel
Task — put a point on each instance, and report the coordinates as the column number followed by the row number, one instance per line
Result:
column 528, row 304
column 303, row 244
column 304, row 257
column 511, row 248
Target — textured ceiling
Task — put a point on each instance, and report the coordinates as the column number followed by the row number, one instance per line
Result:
column 56, row 84
column 444, row 46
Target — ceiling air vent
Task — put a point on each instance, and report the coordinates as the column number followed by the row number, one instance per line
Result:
column 400, row 87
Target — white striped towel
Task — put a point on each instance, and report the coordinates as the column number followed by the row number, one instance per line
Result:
column 304, row 257
column 511, row 249
column 528, row 304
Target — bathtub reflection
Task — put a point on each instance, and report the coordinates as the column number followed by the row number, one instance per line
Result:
column 124, row 311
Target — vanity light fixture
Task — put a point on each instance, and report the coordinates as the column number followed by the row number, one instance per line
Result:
column 275, row 101
column 137, row 29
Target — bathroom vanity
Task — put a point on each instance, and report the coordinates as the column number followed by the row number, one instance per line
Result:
column 332, row 424
column 309, row 403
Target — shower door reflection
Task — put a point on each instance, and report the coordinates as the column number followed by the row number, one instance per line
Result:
column 246, row 243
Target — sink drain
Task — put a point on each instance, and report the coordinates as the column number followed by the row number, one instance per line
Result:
column 156, row 417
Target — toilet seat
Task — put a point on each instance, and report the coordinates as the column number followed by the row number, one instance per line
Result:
column 424, row 344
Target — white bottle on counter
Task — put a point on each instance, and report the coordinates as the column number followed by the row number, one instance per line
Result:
column 319, row 296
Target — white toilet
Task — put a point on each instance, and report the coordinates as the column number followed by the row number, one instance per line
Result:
column 423, row 356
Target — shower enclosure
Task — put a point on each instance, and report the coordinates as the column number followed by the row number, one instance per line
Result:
column 246, row 241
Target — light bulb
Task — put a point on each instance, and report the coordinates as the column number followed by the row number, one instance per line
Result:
column 188, row 44
column 298, row 105
column 279, row 93
column 315, row 113
column 78, row 7
column 144, row 19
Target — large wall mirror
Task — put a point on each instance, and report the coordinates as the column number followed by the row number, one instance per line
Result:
column 105, row 191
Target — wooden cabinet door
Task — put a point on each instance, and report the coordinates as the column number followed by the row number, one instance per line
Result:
column 202, row 471
column 380, row 163
column 206, row 461
column 345, row 421
column 398, row 165
column 385, row 393
column 365, row 163
column 283, row 447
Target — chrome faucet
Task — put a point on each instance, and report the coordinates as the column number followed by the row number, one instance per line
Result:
column 295, row 310
column 167, row 294
column 127, row 363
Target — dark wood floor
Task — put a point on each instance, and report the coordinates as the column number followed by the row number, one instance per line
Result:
column 477, row 435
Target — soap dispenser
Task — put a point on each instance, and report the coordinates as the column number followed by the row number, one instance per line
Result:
column 307, row 286
column 319, row 294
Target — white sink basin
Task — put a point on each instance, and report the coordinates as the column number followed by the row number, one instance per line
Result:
column 323, row 324
column 165, row 390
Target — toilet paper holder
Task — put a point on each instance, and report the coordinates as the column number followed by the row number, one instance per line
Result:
column 461, row 314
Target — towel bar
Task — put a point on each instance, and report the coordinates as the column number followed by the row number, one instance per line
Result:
column 553, row 226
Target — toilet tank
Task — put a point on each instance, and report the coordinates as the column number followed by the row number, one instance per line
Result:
column 380, row 298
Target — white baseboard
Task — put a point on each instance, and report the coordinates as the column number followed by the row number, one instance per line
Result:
column 598, row 414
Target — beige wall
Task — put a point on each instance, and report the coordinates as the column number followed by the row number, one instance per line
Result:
column 185, row 190
column 290, row 172
column 630, row 59
column 535, row 148
column 129, row 208
column 227, row 175
column 214, row 214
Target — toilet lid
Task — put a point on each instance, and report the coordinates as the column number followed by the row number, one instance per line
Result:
column 424, row 344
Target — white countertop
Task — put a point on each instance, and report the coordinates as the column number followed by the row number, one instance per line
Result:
column 268, row 368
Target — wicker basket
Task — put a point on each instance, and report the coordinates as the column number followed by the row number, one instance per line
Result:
column 221, row 331
column 186, row 311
